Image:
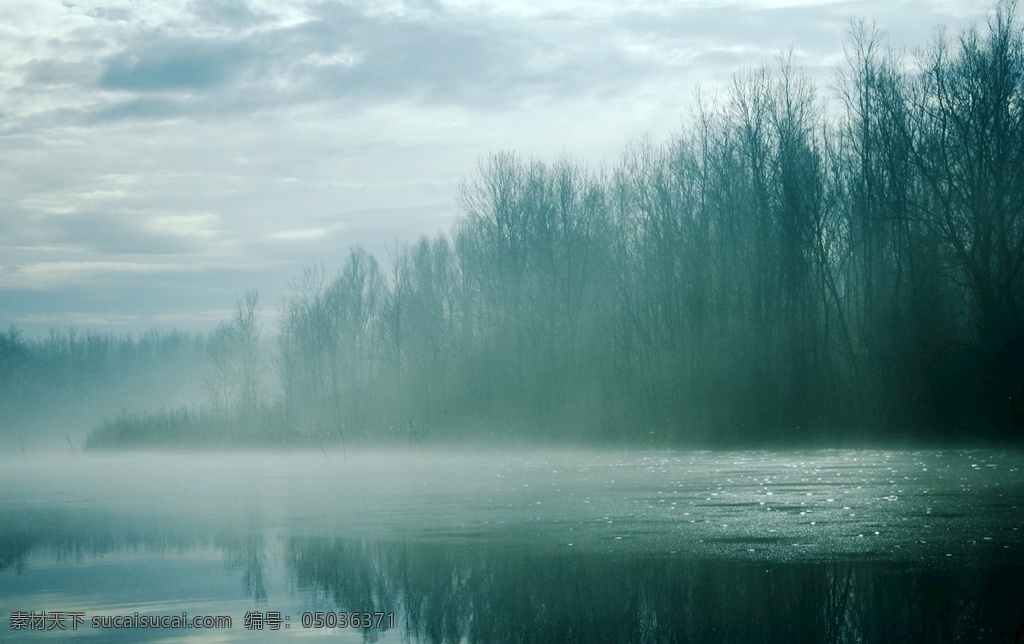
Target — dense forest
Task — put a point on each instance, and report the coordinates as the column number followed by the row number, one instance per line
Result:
column 793, row 266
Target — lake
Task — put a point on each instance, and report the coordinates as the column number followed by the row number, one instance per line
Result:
column 532, row 546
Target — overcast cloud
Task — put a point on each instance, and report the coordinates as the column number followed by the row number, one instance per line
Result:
column 157, row 159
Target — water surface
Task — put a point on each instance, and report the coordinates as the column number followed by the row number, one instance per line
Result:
column 533, row 546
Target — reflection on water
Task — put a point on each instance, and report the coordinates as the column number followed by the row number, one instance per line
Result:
column 248, row 554
column 440, row 592
column 709, row 548
column 448, row 594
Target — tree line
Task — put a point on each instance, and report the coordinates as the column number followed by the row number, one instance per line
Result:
column 789, row 267
column 55, row 386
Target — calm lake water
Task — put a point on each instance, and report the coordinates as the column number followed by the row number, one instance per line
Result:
column 851, row 546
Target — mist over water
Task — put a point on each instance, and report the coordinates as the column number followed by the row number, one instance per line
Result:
column 900, row 506
column 668, row 546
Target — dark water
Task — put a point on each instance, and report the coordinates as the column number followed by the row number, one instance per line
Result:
column 850, row 546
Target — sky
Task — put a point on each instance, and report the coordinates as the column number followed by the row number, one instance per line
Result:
column 159, row 158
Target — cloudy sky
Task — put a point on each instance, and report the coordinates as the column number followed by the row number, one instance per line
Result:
column 157, row 158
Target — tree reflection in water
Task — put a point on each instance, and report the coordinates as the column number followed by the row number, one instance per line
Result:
column 248, row 554
column 447, row 593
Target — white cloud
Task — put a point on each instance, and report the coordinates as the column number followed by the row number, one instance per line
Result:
column 80, row 271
